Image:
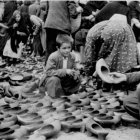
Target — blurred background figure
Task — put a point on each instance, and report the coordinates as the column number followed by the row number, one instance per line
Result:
column 9, row 9
column 25, row 7
column 19, row 3
column 34, row 9
column 1, row 9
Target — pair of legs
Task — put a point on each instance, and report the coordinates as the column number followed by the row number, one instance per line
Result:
column 51, row 41
column 57, row 87
column 132, row 104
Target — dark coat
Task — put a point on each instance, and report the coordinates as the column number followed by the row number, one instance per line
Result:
column 89, row 7
column 135, row 9
column 93, row 6
column 59, row 15
column 135, row 13
column 9, row 8
column 115, row 7
column 25, row 7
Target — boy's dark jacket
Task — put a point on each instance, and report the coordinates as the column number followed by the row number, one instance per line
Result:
column 55, row 64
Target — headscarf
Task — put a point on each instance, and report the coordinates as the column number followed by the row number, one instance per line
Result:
column 15, row 13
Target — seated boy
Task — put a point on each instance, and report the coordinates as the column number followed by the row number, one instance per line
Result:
column 60, row 76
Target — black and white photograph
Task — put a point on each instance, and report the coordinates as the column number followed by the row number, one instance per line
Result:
column 69, row 70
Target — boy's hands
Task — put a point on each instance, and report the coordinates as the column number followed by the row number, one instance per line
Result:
column 73, row 73
column 70, row 72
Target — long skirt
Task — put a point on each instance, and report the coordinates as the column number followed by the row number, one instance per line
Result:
column 115, row 42
column 3, row 41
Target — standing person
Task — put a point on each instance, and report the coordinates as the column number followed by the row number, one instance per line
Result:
column 1, row 10
column 135, row 24
column 34, row 9
column 43, row 9
column 25, row 7
column 19, row 3
column 39, row 36
column 9, row 9
column 60, row 77
column 58, row 21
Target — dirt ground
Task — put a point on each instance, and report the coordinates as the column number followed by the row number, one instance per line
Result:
column 121, row 133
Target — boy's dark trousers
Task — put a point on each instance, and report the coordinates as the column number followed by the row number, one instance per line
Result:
column 57, row 87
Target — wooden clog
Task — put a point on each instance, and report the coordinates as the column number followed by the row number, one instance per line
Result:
column 103, row 71
column 77, row 124
column 16, row 77
column 109, row 121
column 50, row 130
column 82, row 95
column 94, row 128
column 82, row 102
column 37, row 125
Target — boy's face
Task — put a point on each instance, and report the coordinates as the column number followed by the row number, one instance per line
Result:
column 65, row 49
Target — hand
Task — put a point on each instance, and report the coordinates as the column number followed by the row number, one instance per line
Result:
column 15, row 25
column 70, row 72
column 90, row 17
column 118, row 77
column 21, row 33
column 138, row 25
column 79, row 9
column 76, row 75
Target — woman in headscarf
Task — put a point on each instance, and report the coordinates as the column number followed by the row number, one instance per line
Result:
column 17, row 32
column 114, row 41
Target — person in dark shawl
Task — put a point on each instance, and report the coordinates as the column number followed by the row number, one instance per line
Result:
column 115, row 7
column 114, row 41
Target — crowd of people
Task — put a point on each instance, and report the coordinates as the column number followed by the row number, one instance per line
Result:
column 94, row 29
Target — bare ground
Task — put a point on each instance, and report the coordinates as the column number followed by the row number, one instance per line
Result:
column 121, row 133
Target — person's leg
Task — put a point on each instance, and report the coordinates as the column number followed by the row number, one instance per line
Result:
column 53, row 87
column 51, row 41
column 131, row 105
